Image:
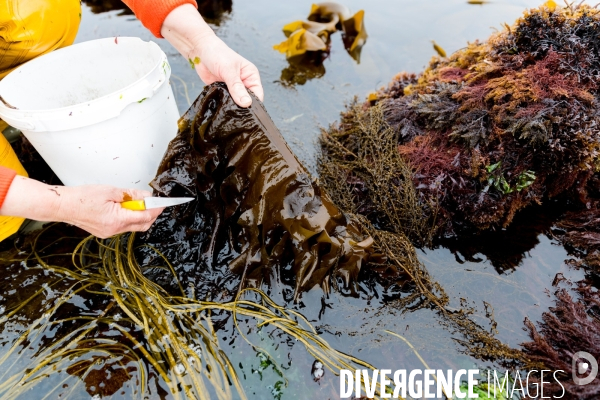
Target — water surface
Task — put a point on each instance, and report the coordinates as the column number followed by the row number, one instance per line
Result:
column 400, row 34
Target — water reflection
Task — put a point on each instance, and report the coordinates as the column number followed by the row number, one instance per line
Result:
column 303, row 68
column 213, row 11
column 505, row 249
column 101, row 6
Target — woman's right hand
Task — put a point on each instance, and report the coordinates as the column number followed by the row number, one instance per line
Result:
column 94, row 208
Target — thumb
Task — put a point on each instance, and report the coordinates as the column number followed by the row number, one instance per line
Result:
column 237, row 89
column 130, row 194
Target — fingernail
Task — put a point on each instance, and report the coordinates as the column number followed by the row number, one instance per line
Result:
column 245, row 100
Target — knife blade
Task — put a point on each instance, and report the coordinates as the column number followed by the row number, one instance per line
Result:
column 154, row 202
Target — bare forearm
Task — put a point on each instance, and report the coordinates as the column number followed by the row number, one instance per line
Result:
column 185, row 29
column 95, row 208
column 32, row 199
column 213, row 60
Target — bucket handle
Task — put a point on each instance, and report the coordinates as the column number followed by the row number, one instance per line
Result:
column 157, row 86
column 20, row 124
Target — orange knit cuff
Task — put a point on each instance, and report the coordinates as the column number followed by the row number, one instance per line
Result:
column 6, row 177
column 153, row 13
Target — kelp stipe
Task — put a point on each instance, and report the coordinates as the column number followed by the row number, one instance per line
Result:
column 257, row 207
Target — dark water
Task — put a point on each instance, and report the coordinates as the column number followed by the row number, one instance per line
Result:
column 512, row 271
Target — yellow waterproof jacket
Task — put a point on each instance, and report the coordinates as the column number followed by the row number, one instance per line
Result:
column 30, row 28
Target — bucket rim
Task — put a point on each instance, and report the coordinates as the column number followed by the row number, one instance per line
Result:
column 126, row 95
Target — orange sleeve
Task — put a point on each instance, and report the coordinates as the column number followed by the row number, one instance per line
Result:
column 6, row 177
column 152, row 13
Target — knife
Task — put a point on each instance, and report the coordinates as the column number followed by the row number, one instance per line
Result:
column 154, row 202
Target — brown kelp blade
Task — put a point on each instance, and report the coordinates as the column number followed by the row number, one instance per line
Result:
column 355, row 34
column 302, row 41
column 328, row 11
column 313, row 35
column 257, row 206
column 314, row 27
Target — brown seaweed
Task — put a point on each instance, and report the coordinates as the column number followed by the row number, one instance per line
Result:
column 496, row 128
column 580, row 232
column 257, row 207
column 308, row 42
column 359, row 145
column 215, row 11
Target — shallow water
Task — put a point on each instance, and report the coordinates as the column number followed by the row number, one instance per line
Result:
column 515, row 277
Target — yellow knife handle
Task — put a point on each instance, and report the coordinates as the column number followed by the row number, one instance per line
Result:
column 135, row 205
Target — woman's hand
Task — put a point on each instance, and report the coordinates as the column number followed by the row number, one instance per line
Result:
column 94, row 208
column 214, row 61
column 221, row 64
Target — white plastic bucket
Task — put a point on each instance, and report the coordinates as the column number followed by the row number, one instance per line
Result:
column 98, row 112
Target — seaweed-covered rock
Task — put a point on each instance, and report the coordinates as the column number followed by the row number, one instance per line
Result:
column 256, row 209
column 497, row 126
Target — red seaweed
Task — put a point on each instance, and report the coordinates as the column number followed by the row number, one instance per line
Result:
column 502, row 125
column 571, row 326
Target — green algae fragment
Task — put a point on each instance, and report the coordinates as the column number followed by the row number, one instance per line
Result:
column 194, row 62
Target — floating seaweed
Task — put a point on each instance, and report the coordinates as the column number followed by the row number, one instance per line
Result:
column 308, row 42
column 258, row 212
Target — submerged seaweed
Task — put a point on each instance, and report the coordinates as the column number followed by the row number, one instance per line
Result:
column 308, row 42
column 96, row 319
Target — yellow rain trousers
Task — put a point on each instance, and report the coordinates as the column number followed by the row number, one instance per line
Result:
column 30, row 28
